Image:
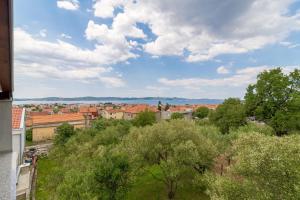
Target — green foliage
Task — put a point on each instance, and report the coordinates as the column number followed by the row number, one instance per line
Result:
column 159, row 106
column 56, row 109
column 144, row 118
column 112, row 176
column 177, row 115
column 101, row 124
column 265, row 168
column 63, row 133
column 201, row 112
column 252, row 127
column 29, row 134
column 175, row 147
column 229, row 115
column 274, row 99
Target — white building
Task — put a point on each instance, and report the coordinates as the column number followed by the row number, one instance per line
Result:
column 18, row 146
column 18, row 131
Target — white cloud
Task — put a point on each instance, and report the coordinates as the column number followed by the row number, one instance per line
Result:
column 66, row 36
column 61, row 60
column 289, row 44
column 203, row 28
column 242, row 77
column 43, row 33
column 105, row 8
column 68, row 4
column 222, row 70
column 232, row 86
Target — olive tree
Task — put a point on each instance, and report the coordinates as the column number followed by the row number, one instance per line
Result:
column 112, row 176
column 265, row 168
column 175, row 147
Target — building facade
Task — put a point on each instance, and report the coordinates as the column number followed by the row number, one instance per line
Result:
column 44, row 127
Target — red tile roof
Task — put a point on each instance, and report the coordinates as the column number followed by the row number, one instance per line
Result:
column 38, row 113
column 140, row 108
column 16, row 117
column 57, row 118
column 84, row 109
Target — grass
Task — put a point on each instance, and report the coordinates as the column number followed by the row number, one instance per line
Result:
column 148, row 188
column 45, row 167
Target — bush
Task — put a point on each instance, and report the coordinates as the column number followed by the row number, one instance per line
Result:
column 229, row 115
column 63, row 133
column 201, row 112
column 29, row 135
column 177, row 115
column 144, row 118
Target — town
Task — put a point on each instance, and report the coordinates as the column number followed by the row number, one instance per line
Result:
column 149, row 100
column 35, row 124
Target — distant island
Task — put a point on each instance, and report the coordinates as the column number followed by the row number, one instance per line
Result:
column 129, row 100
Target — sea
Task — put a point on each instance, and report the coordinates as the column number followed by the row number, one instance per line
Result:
column 130, row 101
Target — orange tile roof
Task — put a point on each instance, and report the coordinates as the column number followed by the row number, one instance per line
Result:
column 210, row 106
column 28, row 122
column 179, row 108
column 93, row 109
column 16, row 117
column 65, row 110
column 57, row 118
column 38, row 113
column 84, row 109
column 140, row 108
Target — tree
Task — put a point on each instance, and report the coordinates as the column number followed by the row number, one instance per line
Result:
column 159, row 106
column 29, row 134
column 177, row 115
column 144, row 118
column 167, row 107
column 274, row 99
column 112, row 177
column 63, row 133
column 56, row 109
column 176, row 148
column 230, row 114
column 101, row 123
column 265, row 168
column 201, row 112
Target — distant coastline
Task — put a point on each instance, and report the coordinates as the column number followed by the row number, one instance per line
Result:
column 127, row 100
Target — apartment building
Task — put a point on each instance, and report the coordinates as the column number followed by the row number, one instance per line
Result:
column 112, row 114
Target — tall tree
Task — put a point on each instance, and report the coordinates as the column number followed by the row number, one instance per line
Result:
column 230, row 114
column 159, row 106
column 274, row 99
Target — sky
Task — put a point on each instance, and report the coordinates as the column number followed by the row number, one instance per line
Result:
column 142, row 48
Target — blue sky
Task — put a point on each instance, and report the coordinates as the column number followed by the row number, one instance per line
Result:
column 168, row 48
